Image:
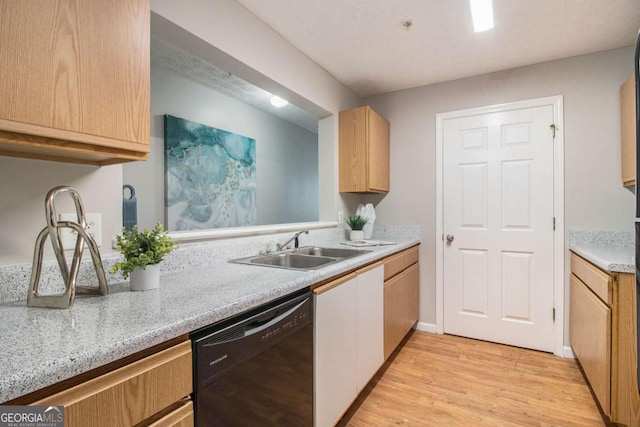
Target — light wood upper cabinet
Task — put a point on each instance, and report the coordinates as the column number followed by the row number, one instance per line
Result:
column 364, row 151
column 74, row 80
column 628, row 132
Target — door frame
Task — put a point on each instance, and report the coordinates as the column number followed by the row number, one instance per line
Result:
column 558, row 207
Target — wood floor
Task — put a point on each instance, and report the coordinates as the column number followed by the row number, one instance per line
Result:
column 444, row 380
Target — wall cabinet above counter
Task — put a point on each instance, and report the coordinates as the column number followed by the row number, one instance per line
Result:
column 74, row 80
column 628, row 132
column 364, row 151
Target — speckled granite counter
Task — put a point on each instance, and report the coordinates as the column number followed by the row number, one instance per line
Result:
column 44, row 346
column 610, row 250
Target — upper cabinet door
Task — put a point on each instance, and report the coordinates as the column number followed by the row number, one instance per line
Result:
column 364, row 151
column 628, row 132
column 74, row 80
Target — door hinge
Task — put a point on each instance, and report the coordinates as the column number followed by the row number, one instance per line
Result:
column 553, row 130
column 553, row 315
column 554, row 223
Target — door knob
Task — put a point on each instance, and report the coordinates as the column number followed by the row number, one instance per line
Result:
column 449, row 238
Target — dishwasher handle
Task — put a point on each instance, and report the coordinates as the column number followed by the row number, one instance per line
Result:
column 219, row 351
column 261, row 325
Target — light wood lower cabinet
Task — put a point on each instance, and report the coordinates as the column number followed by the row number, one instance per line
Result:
column 602, row 322
column 400, row 307
column 401, row 297
column 182, row 416
column 624, row 385
column 590, row 335
column 348, row 341
column 133, row 393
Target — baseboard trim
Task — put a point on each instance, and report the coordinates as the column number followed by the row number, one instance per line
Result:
column 427, row 327
column 433, row 329
column 567, row 352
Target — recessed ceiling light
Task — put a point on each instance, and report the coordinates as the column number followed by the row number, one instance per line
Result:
column 481, row 14
column 276, row 101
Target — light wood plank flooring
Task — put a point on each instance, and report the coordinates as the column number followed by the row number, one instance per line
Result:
column 444, row 380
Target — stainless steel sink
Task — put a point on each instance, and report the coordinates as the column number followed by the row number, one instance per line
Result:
column 295, row 261
column 330, row 252
column 304, row 259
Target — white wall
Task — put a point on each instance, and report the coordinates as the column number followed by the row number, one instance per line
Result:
column 25, row 184
column 286, row 154
column 594, row 196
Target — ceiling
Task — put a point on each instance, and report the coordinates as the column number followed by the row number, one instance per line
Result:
column 196, row 69
column 364, row 44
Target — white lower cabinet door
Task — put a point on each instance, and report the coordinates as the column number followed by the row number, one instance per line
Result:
column 370, row 324
column 335, row 351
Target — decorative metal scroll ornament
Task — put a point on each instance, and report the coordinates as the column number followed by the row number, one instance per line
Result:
column 69, row 274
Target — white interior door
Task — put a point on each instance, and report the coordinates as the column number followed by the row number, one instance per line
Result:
column 498, row 211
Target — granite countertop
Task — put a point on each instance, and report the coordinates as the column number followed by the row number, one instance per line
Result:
column 612, row 251
column 41, row 347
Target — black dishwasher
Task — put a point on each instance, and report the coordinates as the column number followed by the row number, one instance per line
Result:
column 256, row 369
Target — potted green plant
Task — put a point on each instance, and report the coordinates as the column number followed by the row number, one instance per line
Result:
column 142, row 251
column 356, row 224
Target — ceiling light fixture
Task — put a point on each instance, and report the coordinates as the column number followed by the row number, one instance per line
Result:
column 481, row 14
column 276, row 101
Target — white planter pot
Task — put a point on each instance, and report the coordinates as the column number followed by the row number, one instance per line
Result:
column 356, row 235
column 145, row 280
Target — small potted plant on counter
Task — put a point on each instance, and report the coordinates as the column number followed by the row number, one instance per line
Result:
column 356, row 224
column 143, row 251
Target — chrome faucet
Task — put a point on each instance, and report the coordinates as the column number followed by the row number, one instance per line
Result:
column 294, row 239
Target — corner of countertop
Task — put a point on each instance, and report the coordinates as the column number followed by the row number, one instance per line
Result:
column 612, row 251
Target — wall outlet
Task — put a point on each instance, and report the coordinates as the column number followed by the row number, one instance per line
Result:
column 340, row 217
column 94, row 228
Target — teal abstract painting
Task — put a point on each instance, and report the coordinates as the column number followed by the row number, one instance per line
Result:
column 210, row 179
